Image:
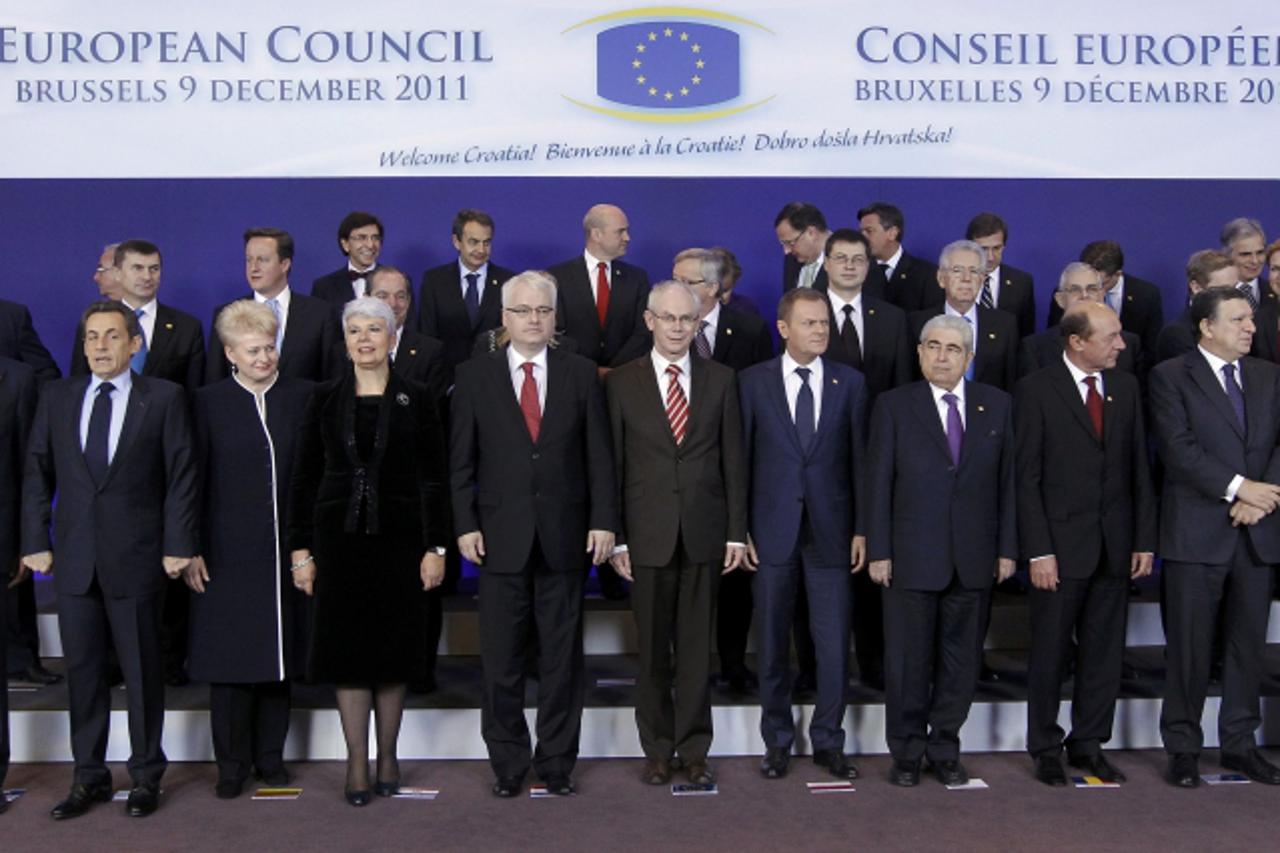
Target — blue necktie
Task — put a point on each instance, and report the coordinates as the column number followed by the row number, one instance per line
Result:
column 804, row 409
column 96, row 445
column 139, row 359
column 274, row 305
column 472, row 297
column 1234, row 394
column 968, row 373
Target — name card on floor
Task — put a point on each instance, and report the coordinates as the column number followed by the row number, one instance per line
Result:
column 13, row 794
column 615, row 682
column 971, row 785
column 277, row 793
column 688, row 789
column 1092, row 782
column 830, row 787
column 1225, row 779
column 416, row 794
column 121, row 796
column 540, row 792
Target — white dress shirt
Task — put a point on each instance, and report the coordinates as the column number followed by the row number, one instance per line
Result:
column 482, row 271
column 809, row 272
column 147, row 319
column 119, row 402
column 660, row 365
column 1080, row 376
column 837, row 306
column 1215, row 366
column 282, row 299
column 791, row 385
column 891, row 265
column 515, row 364
column 593, row 273
column 360, row 286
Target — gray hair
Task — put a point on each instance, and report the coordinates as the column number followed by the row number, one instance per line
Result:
column 367, row 306
column 949, row 323
column 665, row 286
column 957, row 246
column 1075, row 267
column 1240, row 228
column 538, row 279
column 711, row 264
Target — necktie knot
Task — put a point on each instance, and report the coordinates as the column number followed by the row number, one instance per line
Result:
column 702, row 326
column 848, row 312
column 803, row 373
column 1092, row 382
column 1229, row 371
column 527, row 367
column 950, row 399
column 472, row 278
column 106, row 388
column 674, row 371
column 138, row 312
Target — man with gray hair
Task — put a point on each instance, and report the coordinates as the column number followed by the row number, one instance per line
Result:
column 106, row 276
column 534, row 505
column 677, row 438
column 941, row 526
column 1079, row 283
column 962, row 269
column 1244, row 241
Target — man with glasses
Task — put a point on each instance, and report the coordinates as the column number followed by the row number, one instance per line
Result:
column 1244, row 241
column 737, row 340
column 962, row 269
column 534, row 503
column 1079, row 282
column 360, row 237
column 802, row 232
column 677, row 438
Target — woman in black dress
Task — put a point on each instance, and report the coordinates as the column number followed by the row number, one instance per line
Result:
column 368, row 529
column 246, row 615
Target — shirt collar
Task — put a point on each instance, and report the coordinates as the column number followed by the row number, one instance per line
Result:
column 353, row 268
column 838, row 301
column 482, row 271
column 121, row 383
column 895, row 259
column 660, row 362
column 146, row 308
column 282, row 298
column 1216, row 363
column 713, row 317
column 1077, row 374
column 593, row 262
column 515, row 359
column 938, row 392
column 971, row 315
column 789, row 365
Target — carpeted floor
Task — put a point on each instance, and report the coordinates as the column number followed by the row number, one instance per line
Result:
column 614, row 811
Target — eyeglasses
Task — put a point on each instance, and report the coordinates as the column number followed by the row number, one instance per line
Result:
column 523, row 311
column 1088, row 290
column 675, row 319
column 849, row 260
column 693, row 282
column 791, row 244
column 967, row 272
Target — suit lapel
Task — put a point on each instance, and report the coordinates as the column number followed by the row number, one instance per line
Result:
column 1203, row 376
column 134, row 413
column 161, row 339
column 724, row 336
column 1257, row 400
column 648, row 386
column 557, row 399
column 504, row 391
column 698, row 382
column 832, row 394
column 297, row 329
column 68, row 420
column 778, row 397
column 1065, row 386
column 927, row 412
column 975, row 421
column 619, row 287
column 490, row 301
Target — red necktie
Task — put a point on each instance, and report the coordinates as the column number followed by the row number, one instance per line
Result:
column 1093, row 402
column 602, row 292
column 529, row 401
column 677, row 404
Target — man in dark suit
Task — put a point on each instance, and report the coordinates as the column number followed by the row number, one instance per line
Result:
column 17, row 408
column 735, row 340
column 896, row 276
column 1216, row 414
column 308, row 338
column 533, row 483
column 1006, row 287
column 960, row 276
column 1087, row 524
column 684, row 523
column 802, row 232
column 1206, row 269
column 463, row 298
column 173, row 340
column 360, row 237
column 940, row 498
column 20, row 342
column 803, row 427
column 870, row 335
column 1079, row 283
column 115, row 450
column 602, row 299
column 1244, row 241
column 1136, row 300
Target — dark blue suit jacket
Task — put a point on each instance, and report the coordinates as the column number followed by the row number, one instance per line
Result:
column 787, row 482
column 933, row 518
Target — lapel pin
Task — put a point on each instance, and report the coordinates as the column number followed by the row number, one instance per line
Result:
column 168, row 325
column 982, row 409
column 1110, row 399
column 991, row 335
column 402, row 398
column 728, row 331
column 835, row 381
column 413, row 352
column 870, row 311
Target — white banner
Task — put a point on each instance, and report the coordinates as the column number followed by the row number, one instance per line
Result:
column 324, row 88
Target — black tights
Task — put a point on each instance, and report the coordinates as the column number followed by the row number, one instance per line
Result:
column 354, row 704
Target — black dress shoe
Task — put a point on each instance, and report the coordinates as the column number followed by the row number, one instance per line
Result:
column 559, row 784
column 37, row 674
column 507, row 787
column 358, row 798
column 836, row 763
column 1184, row 770
column 275, row 776
column 1098, row 765
column 700, row 773
column 655, row 772
column 1253, row 765
column 905, row 774
column 143, row 800
column 79, row 801
column 775, row 762
column 950, row 772
column 228, row 789
column 1049, row 770
column 386, row 789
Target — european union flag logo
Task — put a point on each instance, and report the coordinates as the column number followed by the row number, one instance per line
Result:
column 667, row 65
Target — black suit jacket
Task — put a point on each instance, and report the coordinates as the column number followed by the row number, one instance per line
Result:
column 19, row 341
column 421, row 359
column 914, row 287
column 1202, row 447
column 741, row 340
column 1081, row 496
column 694, row 493
column 1018, row 297
column 996, row 360
column 310, row 349
column 175, row 352
column 334, row 288
column 624, row 336
column 17, row 410
column 513, row 489
column 791, row 274
column 935, row 519
column 443, row 315
column 887, row 355
column 1045, row 348
column 1142, row 312
column 145, row 509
